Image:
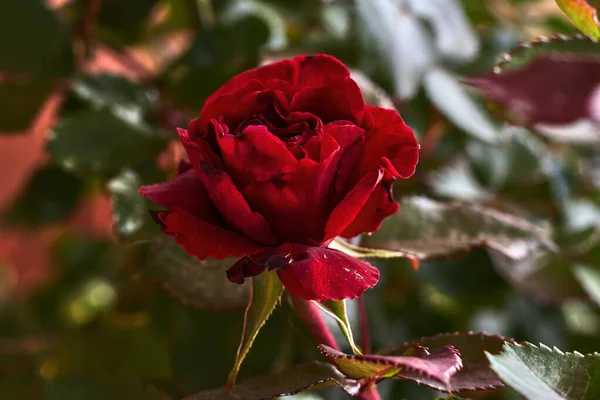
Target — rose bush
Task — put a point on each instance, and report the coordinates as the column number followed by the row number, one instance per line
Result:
column 283, row 159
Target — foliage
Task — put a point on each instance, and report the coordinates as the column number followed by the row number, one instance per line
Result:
column 498, row 231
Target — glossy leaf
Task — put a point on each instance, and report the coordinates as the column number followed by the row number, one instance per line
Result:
column 264, row 297
column 129, row 207
column 100, row 141
column 297, row 379
column 545, row 373
column 427, row 229
column 337, row 310
column 437, row 366
column 583, row 14
column 202, row 284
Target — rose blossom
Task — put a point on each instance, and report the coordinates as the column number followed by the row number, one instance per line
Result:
column 283, row 159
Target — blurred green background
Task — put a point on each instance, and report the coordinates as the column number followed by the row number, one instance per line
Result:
column 91, row 92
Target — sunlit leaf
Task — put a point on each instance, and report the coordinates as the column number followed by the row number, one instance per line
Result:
column 428, row 229
column 264, row 297
column 545, row 373
column 589, row 278
column 297, row 379
column 129, row 207
column 337, row 310
column 583, row 14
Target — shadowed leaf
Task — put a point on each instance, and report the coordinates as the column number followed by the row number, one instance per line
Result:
column 265, row 294
column 427, row 229
column 297, row 379
column 545, row 373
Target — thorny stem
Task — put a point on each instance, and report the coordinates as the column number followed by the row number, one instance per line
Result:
column 311, row 316
column 365, row 335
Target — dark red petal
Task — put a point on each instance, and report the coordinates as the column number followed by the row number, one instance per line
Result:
column 183, row 191
column 253, row 153
column 226, row 197
column 318, row 273
column 202, row 239
column 319, row 70
column 342, row 101
column 289, row 201
column 389, row 137
column 246, row 267
column 346, row 211
column 379, row 206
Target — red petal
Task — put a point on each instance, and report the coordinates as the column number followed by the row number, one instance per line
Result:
column 389, row 137
column 201, row 239
column 253, row 153
column 225, row 195
column 342, row 101
column 319, row 70
column 379, row 206
column 346, row 211
column 183, row 191
column 318, row 273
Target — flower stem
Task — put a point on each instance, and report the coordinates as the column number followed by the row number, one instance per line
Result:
column 365, row 335
column 311, row 316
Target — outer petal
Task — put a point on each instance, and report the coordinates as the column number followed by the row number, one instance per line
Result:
column 226, row 197
column 389, row 137
column 319, row 273
column 183, row 191
column 379, row 206
column 319, row 70
column 350, row 206
column 202, row 239
column 253, row 153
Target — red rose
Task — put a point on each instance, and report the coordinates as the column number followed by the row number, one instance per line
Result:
column 284, row 158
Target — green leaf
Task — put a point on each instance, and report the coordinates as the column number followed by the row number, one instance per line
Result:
column 50, row 196
column 200, row 283
column 545, row 373
column 100, row 141
column 583, row 15
column 427, row 229
column 129, row 207
column 264, row 297
column 337, row 310
column 589, row 278
column 21, row 101
column 33, row 40
column 294, row 380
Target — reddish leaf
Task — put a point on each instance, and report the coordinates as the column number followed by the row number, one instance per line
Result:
column 583, row 15
column 294, row 380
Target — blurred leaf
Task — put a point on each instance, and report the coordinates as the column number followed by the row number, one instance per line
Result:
column 100, row 141
column 33, row 40
column 583, row 14
column 544, row 373
column 21, row 101
column 124, row 21
column 589, row 278
column 428, row 229
column 200, row 283
column 457, row 181
column 475, row 372
column 296, row 379
column 50, row 196
column 337, row 310
column 264, row 297
column 129, row 207
column 544, row 276
column 419, row 365
column 372, row 93
column 444, row 90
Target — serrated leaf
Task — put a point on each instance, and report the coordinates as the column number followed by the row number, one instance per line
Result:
column 589, row 278
column 337, row 310
column 129, row 207
column 544, row 276
column 544, row 373
column 427, row 229
column 294, row 380
column 583, row 15
column 264, row 297
column 100, row 141
column 437, row 366
column 200, row 283
column 475, row 373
